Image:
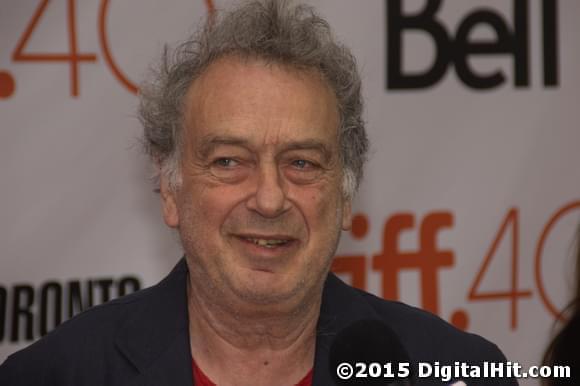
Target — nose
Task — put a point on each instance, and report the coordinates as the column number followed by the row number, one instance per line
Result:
column 269, row 199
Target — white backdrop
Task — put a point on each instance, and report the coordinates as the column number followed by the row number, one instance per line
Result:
column 453, row 168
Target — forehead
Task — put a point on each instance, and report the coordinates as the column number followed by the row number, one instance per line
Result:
column 266, row 103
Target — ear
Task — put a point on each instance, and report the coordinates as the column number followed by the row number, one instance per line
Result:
column 168, row 203
column 346, row 214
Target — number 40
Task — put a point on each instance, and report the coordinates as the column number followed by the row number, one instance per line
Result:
column 510, row 227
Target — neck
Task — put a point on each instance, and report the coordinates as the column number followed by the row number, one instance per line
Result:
column 238, row 343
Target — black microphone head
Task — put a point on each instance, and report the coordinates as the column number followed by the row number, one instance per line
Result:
column 369, row 353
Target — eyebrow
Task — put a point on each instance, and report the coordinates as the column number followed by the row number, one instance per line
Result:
column 209, row 143
column 310, row 144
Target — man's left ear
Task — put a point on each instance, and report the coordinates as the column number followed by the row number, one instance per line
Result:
column 346, row 214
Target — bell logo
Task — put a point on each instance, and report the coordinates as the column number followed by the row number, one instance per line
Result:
column 457, row 50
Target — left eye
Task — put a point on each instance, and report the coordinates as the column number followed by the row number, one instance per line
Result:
column 301, row 164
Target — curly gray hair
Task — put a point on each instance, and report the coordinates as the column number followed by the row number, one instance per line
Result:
column 273, row 30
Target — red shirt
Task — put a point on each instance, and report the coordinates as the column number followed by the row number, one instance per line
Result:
column 200, row 379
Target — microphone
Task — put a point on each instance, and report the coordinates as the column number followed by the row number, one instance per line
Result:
column 369, row 353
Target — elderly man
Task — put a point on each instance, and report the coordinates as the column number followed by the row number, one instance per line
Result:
column 255, row 129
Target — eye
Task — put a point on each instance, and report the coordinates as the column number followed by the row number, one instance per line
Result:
column 301, row 171
column 225, row 162
column 302, row 164
column 229, row 170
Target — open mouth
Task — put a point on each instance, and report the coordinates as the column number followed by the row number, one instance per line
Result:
column 268, row 243
column 267, row 253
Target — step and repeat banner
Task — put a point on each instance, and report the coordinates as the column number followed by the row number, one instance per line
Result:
column 471, row 200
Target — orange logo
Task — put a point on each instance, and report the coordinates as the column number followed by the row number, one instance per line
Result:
column 427, row 259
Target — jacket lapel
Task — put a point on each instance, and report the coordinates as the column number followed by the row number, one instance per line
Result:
column 169, row 369
column 341, row 306
column 155, row 338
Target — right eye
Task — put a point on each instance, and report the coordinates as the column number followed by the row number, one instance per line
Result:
column 226, row 162
column 229, row 170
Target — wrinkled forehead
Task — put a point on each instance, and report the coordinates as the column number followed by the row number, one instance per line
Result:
column 262, row 102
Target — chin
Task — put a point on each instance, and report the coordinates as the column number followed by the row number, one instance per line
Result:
column 269, row 289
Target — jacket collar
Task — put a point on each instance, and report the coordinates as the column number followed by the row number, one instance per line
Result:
column 155, row 337
column 341, row 306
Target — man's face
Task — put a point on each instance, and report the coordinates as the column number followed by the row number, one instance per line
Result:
column 260, row 207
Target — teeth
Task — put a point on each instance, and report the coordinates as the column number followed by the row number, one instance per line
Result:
column 267, row 243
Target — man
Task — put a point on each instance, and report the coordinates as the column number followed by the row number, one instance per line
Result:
column 255, row 128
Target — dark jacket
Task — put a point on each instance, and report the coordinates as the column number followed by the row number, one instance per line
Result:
column 143, row 339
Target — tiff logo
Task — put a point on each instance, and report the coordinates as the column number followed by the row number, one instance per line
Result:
column 458, row 49
column 427, row 258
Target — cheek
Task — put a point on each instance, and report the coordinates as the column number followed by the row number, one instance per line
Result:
column 208, row 207
column 320, row 209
